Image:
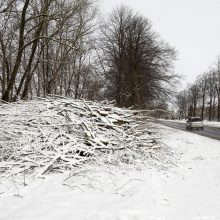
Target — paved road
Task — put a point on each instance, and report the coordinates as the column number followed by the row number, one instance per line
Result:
column 208, row 131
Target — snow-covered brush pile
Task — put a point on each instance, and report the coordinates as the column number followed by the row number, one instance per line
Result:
column 60, row 135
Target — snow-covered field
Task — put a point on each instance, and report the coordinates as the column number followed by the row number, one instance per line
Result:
column 190, row 190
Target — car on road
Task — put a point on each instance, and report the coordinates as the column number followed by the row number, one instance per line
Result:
column 194, row 122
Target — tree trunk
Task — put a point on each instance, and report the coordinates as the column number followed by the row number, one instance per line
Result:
column 203, row 105
column 218, row 111
column 6, row 94
column 210, row 108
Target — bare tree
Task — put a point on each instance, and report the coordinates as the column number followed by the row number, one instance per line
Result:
column 202, row 95
column 182, row 104
column 50, row 45
column 194, row 93
column 137, row 62
column 217, row 87
column 211, row 93
column 20, row 49
column 202, row 86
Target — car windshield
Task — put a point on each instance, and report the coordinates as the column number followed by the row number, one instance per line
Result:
column 196, row 119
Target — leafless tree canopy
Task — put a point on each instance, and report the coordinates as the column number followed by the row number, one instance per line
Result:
column 202, row 98
column 45, row 47
column 137, row 63
column 55, row 47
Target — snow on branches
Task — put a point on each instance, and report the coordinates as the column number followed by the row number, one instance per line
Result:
column 60, row 135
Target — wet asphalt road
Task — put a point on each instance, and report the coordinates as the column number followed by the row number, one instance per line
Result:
column 208, row 131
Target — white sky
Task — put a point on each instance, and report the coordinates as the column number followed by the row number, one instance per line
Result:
column 191, row 26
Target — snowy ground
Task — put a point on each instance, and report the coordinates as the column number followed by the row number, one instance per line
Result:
column 212, row 123
column 188, row 191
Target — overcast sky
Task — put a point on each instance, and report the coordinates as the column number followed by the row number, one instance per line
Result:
column 191, row 26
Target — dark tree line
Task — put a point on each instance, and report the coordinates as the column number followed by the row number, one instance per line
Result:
column 56, row 47
column 202, row 98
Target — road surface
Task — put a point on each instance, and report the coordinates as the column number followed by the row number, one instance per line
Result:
column 211, row 132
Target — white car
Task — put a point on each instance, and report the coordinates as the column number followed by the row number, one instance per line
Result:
column 194, row 122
